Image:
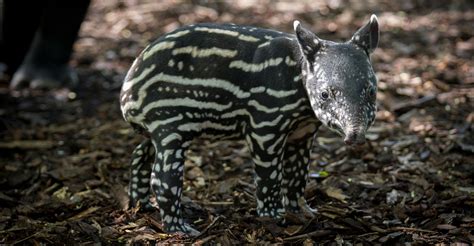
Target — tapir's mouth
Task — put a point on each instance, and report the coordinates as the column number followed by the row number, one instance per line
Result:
column 351, row 135
column 354, row 137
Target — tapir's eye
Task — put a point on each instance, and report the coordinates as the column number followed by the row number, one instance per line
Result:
column 372, row 92
column 324, row 95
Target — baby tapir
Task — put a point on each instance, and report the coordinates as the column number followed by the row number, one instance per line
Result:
column 224, row 81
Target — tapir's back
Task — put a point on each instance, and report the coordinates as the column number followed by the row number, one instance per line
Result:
column 208, row 68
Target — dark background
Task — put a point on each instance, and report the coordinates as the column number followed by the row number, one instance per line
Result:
column 64, row 153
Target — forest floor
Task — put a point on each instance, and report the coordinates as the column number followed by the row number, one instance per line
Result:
column 65, row 153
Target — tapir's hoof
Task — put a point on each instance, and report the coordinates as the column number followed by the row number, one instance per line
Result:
column 43, row 77
column 306, row 209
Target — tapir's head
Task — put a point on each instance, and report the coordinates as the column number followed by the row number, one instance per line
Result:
column 340, row 81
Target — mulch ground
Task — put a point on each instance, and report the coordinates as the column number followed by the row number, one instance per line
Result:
column 64, row 154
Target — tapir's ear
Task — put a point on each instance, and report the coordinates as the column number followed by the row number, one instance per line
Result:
column 367, row 37
column 308, row 42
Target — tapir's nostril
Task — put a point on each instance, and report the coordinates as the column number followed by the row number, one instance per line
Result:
column 354, row 138
column 350, row 139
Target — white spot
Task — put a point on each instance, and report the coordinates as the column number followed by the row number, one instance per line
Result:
column 174, row 190
column 273, row 175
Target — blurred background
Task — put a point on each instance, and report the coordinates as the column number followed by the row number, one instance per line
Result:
column 64, row 152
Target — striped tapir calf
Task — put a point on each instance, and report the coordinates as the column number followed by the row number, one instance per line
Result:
column 224, row 81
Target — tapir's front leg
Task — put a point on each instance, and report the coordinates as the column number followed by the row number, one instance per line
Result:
column 267, row 154
column 295, row 167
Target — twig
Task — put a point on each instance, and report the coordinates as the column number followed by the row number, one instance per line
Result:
column 401, row 228
column 83, row 214
column 154, row 222
column 377, row 229
column 26, row 238
column 417, row 103
column 218, row 218
column 204, row 240
column 14, row 229
column 319, row 233
column 213, row 203
column 27, row 144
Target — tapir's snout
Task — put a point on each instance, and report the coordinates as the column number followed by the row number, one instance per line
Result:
column 354, row 137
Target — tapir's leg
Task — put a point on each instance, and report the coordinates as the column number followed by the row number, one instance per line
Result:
column 267, row 154
column 296, row 163
column 167, row 181
column 46, row 63
column 139, row 189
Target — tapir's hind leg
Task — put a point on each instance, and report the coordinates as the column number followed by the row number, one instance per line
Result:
column 167, row 180
column 139, row 188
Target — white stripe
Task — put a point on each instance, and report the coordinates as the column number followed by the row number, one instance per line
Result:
column 196, row 52
column 266, row 123
column 264, row 44
column 248, row 38
column 258, row 162
column 259, row 89
column 271, row 149
column 262, row 108
column 289, row 61
column 167, row 165
column 210, row 82
column 249, row 142
column 186, row 102
column 255, row 67
column 297, row 78
column 215, row 30
column 204, row 125
column 217, row 83
column 177, row 34
column 252, row 121
column 285, row 124
column 292, row 106
column 262, row 139
column 127, row 84
column 157, row 47
column 280, row 94
column 157, row 123
column 170, row 138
